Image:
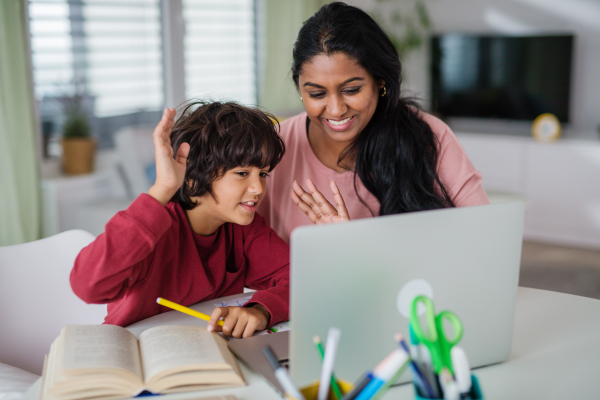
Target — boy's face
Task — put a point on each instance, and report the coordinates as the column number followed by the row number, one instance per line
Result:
column 238, row 193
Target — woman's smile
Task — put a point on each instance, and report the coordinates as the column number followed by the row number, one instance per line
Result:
column 340, row 125
column 339, row 95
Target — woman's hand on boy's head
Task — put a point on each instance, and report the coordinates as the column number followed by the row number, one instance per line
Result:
column 315, row 205
column 239, row 321
column 170, row 171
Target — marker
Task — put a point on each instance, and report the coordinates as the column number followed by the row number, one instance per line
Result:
column 448, row 385
column 334, row 385
column 384, row 371
column 420, row 381
column 389, row 383
column 185, row 310
column 333, row 338
column 358, row 387
column 282, row 376
column 462, row 372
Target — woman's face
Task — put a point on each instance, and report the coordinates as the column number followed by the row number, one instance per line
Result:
column 339, row 95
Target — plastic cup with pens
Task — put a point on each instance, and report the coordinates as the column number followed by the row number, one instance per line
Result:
column 440, row 368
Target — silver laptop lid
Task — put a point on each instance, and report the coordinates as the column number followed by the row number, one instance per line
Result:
column 349, row 276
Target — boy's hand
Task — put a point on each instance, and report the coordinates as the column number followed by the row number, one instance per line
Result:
column 239, row 321
column 170, row 171
column 315, row 205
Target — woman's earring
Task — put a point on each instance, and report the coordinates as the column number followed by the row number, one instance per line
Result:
column 301, row 99
column 384, row 92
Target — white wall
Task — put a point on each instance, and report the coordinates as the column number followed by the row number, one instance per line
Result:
column 581, row 17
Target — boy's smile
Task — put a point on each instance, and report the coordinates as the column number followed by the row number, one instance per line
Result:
column 237, row 195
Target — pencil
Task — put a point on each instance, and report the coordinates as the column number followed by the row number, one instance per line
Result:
column 333, row 337
column 334, row 385
column 185, row 310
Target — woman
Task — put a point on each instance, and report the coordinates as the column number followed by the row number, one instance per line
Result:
column 378, row 153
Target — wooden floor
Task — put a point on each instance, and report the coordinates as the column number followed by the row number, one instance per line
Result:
column 561, row 269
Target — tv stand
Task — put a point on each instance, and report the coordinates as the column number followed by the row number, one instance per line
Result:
column 558, row 180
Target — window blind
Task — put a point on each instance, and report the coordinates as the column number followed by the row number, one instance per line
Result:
column 111, row 50
column 220, row 50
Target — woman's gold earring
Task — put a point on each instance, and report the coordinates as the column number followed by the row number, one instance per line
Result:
column 301, row 99
column 384, row 92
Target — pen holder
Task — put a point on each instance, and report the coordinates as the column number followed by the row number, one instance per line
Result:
column 310, row 392
column 474, row 393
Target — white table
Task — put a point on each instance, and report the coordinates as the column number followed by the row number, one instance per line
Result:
column 555, row 353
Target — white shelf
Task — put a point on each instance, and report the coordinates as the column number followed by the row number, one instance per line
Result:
column 560, row 182
column 82, row 201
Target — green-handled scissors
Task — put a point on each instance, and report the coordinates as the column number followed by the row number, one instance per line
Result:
column 435, row 339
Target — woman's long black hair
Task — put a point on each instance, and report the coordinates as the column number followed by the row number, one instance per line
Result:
column 397, row 152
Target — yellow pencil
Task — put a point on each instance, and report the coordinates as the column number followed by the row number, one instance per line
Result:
column 185, row 310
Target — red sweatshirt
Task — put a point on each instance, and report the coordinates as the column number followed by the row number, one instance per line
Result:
column 150, row 251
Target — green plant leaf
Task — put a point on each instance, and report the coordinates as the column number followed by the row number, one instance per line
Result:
column 423, row 15
column 77, row 126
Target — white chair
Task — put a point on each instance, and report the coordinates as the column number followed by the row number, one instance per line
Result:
column 37, row 299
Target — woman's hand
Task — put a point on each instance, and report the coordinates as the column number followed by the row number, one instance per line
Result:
column 170, row 171
column 315, row 205
column 239, row 321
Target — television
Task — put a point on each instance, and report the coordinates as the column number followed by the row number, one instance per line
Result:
column 500, row 77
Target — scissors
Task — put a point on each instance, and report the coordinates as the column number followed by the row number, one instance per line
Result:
column 435, row 339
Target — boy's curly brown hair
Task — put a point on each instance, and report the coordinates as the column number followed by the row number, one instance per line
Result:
column 222, row 136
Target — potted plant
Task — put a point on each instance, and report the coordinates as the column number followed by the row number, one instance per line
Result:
column 78, row 145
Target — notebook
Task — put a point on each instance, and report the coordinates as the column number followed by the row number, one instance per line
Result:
column 350, row 276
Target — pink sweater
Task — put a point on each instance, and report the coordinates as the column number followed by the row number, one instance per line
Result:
column 150, row 251
column 455, row 170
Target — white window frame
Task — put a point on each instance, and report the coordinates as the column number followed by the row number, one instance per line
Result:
column 173, row 32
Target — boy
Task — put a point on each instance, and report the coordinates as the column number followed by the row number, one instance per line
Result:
column 195, row 235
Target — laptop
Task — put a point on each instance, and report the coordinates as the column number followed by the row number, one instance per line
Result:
column 352, row 276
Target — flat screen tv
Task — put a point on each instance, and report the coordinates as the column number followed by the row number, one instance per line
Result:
column 500, row 77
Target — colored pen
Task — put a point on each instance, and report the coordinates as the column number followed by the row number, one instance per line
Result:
column 334, row 385
column 358, row 387
column 420, row 381
column 282, row 375
column 185, row 310
column 462, row 372
column 333, row 337
column 384, row 371
column 421, row 353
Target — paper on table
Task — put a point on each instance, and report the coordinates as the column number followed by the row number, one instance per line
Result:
column 237, row 302
column 240, row 301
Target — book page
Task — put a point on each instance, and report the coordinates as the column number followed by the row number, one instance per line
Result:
column 100, row 346
column 172, row 346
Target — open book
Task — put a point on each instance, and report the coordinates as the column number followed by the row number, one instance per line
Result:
column 109, row 362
